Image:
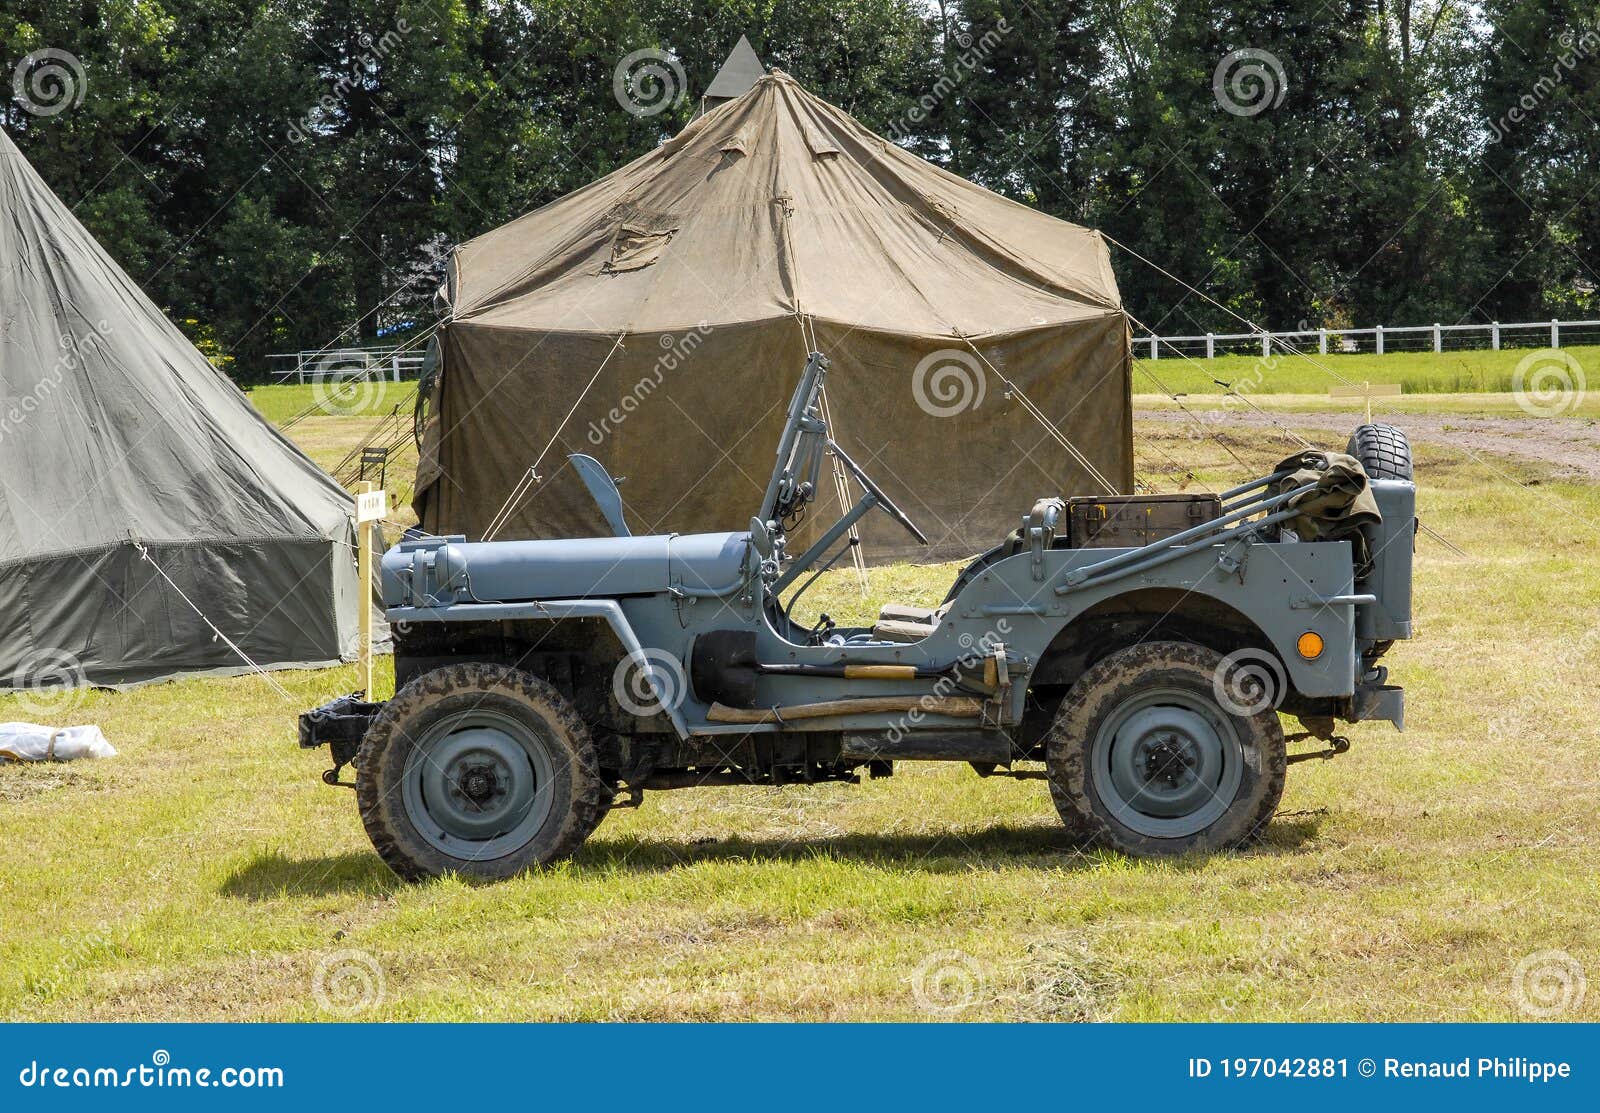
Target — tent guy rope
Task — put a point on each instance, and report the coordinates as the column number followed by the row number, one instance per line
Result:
column 531, row 476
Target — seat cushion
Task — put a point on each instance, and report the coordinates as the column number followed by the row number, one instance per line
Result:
column 899, row 612
column 899, row 623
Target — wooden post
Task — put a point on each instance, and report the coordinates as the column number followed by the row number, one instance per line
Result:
column 1438, row 341
column 1211, row 345
column 1366, row 392
column 1378, row 337
column 1155, row 352
column 1555, row 334
column 1322, row 341
column 1494, row 336
column 372, row 505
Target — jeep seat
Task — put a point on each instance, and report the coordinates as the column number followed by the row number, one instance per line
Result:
column 899, row 623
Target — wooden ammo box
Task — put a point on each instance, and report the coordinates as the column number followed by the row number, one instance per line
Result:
column 1126, row 521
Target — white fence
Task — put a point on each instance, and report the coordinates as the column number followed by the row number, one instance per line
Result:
column 1409, row 338
column 341, row 364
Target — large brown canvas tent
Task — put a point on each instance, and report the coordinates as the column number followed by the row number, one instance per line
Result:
column 133, row 474
column 658, row 318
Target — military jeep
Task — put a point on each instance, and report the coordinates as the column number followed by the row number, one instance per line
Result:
column 1141, row 648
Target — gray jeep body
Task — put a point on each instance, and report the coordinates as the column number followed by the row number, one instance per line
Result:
column 677, row 652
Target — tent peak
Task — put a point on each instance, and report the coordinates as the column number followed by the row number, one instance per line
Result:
column 738, row 75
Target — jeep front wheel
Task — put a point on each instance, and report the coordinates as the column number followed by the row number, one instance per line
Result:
column 1146, row 758
column 480, row 770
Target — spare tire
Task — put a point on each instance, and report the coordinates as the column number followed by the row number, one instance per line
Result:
column 1383, row 451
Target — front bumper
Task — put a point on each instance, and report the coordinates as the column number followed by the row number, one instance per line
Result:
column 340, row 724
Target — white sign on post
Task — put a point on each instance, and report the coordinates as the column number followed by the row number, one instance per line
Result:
column 372, row 505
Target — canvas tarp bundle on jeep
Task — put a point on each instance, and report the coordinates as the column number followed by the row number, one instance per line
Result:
column 674, row 300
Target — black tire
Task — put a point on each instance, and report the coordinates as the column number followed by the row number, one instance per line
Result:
column 1148, row 708
column 1383, row 451
column 478, row 770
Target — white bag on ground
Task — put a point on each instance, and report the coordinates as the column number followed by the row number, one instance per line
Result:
column 31, row 742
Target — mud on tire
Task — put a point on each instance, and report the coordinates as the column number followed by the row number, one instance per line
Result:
column 480, row 770
column 1145, row 759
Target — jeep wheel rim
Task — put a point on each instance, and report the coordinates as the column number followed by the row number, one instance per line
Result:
column 1167, row 763
column 478, row 785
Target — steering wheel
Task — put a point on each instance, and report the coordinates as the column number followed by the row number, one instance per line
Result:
column 884, row 501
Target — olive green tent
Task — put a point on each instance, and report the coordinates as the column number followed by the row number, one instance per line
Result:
column 150, row 516
column 658, row 319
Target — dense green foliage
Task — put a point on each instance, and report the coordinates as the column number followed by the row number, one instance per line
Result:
column 279, row 173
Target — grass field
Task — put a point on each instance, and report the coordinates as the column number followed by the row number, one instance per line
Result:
column 1466, row 372
column 1416, row 372
column 205, row 873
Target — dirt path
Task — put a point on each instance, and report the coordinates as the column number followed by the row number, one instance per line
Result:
column 1572, row 445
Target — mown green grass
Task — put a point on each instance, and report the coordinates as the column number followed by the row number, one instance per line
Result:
column 280, row 403
column 205, row 873
column 1466, row 372
column 1462, row 372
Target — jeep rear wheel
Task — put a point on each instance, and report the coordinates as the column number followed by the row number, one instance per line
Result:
column 480, row 770
column 1145, row 758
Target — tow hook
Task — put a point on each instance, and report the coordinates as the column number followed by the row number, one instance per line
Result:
column 1337, row 744
column 331, row 777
